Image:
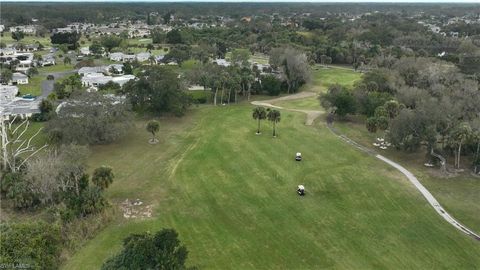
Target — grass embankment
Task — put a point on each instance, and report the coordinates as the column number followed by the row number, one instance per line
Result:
column 231, row 195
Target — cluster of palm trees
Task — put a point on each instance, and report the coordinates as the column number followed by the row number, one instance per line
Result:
column 260, row 113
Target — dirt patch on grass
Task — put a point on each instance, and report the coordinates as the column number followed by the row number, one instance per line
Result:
column 136, row 209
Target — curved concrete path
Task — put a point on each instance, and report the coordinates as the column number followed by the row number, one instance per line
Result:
column 312, row 115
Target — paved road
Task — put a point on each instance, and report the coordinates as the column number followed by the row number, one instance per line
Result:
column 312, row 115
column 47, row 86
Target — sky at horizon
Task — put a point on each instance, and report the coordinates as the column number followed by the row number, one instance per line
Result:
column 264, row 1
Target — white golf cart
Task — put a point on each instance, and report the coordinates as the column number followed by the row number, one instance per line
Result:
column 301, row 190
column 298, row 156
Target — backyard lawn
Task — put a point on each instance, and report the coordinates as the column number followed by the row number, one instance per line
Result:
column 231, row 196
column 59, row 67
column 33, row 87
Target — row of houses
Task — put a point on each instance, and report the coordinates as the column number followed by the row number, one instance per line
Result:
column 27, row 29
column 122, row 57
column 24, row 60
column 263, row 68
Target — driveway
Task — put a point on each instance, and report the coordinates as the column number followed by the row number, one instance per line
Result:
column 47, row 86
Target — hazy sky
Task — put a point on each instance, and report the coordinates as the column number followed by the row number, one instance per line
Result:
column 319, row 1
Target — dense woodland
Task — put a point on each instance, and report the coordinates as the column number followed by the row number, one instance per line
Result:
column 409, row 94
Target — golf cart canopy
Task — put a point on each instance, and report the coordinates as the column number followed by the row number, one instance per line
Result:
column 301, row 187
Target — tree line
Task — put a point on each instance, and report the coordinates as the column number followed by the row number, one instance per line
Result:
column 418, row 103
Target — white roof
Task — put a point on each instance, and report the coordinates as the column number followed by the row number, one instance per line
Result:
column 301, row 187
column 222, row 62
column 100, row 79
column 89, row 70
column 18, row 75
column 143, row 54
column 299, row 154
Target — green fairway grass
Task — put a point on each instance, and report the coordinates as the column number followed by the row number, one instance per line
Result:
column 309, row 103
column 322, row 78
column 231, row 196
column 458, row 195
column 28, row 39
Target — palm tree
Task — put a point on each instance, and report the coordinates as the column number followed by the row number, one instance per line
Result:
column 67, row 60
column 102, row 177
column 259, row 113
column 152, row 60
column 458, row 137
column 274, row 117
column 149, row 47
column 153, row 126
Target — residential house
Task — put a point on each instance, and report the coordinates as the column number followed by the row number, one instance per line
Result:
column 92, row 70
column 27, row 29
column 97, row 79
column 19, row 78
column 48, row 60
column 8, row 92
column 85, row 51
column 24, row 65
column 222, row 62
column 8, row 51
column 118, row 56
column 129, row 57
column 143, row 56
column 116, row 69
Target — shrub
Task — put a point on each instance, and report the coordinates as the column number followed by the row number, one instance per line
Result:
column 20, row 193
column 162, row 250
column 271, row 85
column 35, row 245
column 199, row 97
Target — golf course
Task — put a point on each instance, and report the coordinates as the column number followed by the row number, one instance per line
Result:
column 231, row 195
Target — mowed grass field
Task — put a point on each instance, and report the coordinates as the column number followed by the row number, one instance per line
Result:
column 322, row 78
column 231, row 196
column 459, row 195
column 308, row 103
